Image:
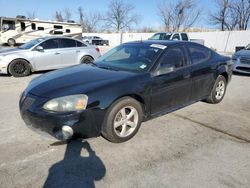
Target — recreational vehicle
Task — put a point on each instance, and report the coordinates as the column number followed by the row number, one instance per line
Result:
column 21, row 30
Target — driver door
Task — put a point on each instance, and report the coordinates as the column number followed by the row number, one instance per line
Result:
column 172, row 89
column 48, row 58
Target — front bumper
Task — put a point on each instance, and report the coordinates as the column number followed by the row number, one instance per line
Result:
column 3, row 67
column 241, row 67
column 84, row 124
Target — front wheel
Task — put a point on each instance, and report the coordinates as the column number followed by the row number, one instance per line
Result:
column 19, row 68
column 122, row 120
column 218, row 91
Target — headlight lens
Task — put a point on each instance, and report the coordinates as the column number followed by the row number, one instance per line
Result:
column 67, row 104
column 1, row 57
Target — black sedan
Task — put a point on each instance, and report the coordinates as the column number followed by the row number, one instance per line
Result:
column 132, row 83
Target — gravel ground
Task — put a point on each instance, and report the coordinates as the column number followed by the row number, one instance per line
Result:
column 202, row 145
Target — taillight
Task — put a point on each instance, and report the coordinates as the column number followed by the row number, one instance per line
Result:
column 97, row 49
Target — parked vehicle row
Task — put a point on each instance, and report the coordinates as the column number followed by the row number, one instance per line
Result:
column 241, row 60
column 95, row 40
column 175, row 36
column 46, row 53
column 130, row 84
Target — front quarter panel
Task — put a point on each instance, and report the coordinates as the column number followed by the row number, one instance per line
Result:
column 136, row 87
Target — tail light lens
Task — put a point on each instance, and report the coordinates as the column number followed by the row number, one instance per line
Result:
column 97, row 49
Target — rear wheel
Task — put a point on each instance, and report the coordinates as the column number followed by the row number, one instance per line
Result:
column 19, row 68
column 11, row 42
column 122, row 120
column 87, row 60
column 218, row 91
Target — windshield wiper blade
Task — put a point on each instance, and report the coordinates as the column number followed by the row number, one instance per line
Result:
column 108, row 68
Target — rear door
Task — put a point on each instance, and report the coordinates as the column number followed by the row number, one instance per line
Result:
column 202, row 70
column 48, row 58
column 173, row 89
column 69, row 52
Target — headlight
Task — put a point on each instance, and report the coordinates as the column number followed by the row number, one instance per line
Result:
column 234, row 58
column 67, row 104
column 1, row 57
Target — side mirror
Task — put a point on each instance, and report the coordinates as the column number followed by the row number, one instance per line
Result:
column 164, row 70
column 39, row 48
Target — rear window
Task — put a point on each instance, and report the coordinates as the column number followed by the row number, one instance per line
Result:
column 184, row 36
column 80, row 44
column 199, row 54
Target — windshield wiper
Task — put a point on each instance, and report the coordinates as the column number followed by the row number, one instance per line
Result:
column 108, row 68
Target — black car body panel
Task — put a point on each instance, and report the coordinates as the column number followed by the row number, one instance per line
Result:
column 158, row 94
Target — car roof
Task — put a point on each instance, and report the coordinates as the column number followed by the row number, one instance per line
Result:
column 58, row 37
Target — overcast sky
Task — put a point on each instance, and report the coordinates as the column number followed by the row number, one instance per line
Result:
column 45, row 9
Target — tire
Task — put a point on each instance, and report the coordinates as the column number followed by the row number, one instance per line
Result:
column 19, row 68
column 11, row 42
column 86, row 60
column 218, row 91
column 117, row 115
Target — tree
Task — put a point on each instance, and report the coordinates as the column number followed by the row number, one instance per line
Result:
column 241, row 13
column 231, row 14
column 67, row 14
column 219, row 17
column 58, row 16
column 31, row 15
column 120, row 16
column 180, row 15
column 89, row 22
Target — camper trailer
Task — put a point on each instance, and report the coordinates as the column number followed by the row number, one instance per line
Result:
column 21, row 30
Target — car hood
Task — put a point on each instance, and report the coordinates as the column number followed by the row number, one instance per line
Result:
column 245, row 53
column 11, row 51
column 74, row 80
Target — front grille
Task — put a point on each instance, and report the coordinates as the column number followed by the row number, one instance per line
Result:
column 28, row 101
column 245, row 60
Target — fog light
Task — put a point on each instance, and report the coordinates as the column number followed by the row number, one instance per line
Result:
column 67, row 132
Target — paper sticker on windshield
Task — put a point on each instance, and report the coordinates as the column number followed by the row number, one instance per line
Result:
column 143, row 66
column 158, row 46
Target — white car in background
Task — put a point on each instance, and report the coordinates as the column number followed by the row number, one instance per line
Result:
column 46, row 53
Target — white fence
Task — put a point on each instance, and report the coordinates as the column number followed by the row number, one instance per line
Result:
column 222, row 41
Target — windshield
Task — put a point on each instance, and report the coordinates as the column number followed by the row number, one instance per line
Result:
column 8, row 25
column 31, row 43
column 134, row 58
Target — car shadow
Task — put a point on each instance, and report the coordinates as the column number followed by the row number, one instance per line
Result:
column 241, row 74
column 76, row 170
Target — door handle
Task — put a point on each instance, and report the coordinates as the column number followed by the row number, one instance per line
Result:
column 57, row 53
column 77, row 51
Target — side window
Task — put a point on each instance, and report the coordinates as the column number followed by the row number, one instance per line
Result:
column 40, row 28
column 68, row 43
column 80, row 44
column 50, row 44
column 33, row 26
column 199, row 54
column 176, row 36
column 174, row 56
column 58, row 27
column 22, row 26
column 184, row 36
